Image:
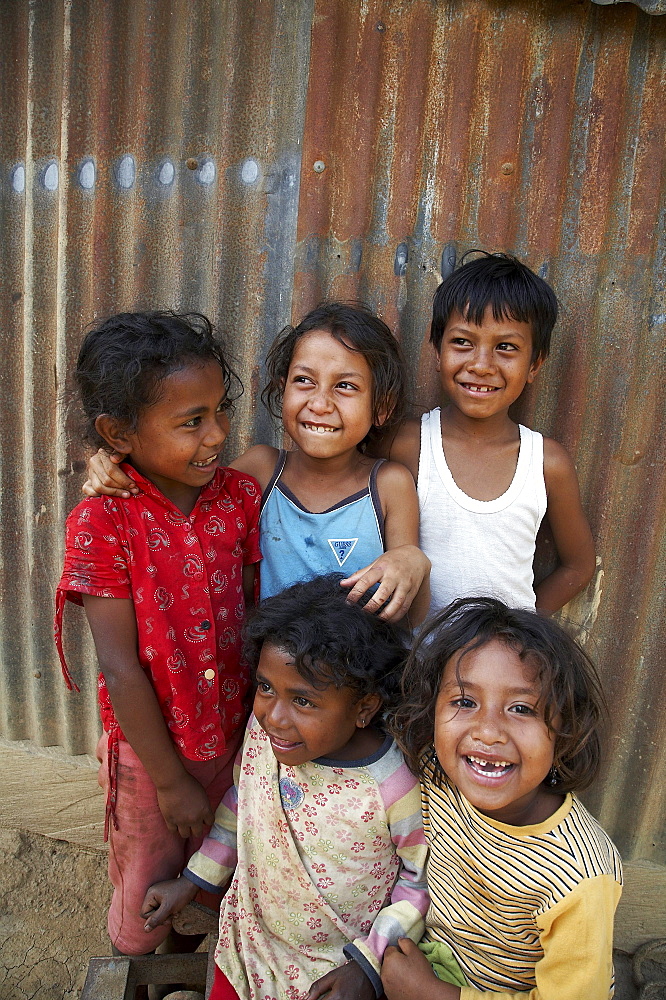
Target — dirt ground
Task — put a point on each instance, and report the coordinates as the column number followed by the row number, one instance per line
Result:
column 54, row 896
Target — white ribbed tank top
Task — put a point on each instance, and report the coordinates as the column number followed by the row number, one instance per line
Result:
column 480, row 547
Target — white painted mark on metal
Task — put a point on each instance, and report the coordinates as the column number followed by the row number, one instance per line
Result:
column 166, row 173
column 126, row 172
column 87, row 175
column 249, row 171
column 206, row 172
column 18, row 178
column 50, row 177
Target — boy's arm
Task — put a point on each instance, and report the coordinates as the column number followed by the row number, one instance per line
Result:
column 571, row 532
column 182, row 801
column 402, row 445
column 402, row 571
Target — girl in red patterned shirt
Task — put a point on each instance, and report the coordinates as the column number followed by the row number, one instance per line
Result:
column 164, row 576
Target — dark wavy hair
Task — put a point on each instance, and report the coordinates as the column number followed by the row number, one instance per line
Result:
column 573, row 702
column 331, row 640
column 124, row 360
column 357, row 327
column 507, row 285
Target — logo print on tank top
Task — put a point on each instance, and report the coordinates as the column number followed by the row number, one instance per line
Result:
column 343, row 548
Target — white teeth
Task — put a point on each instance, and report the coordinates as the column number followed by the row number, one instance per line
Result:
column 319, row 429
column 209, row 461
column 484, row 763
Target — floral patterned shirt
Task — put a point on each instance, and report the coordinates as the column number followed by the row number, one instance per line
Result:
column 328, row 862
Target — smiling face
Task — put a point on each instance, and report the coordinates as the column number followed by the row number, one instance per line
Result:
column 483, row 369
column 178, row 439
column 491, row 738
column 304, row 722
column 327, row 401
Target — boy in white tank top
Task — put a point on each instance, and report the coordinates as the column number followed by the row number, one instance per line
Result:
column 485, row 482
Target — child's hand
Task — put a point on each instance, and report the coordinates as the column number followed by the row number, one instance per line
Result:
column 106, row 477
column 399, row 572
column 185, row 807
column 349, row 982
column 407, row 975
column 164, row 899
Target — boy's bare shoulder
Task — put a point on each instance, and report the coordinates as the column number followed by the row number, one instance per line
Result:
column 557, row 462
column 258, row 461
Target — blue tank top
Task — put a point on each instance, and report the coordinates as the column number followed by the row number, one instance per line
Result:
column 297, row 544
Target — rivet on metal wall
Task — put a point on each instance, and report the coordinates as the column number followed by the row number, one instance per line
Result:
column 166, row 173
column 87, row 174
column 249, row 171
column 206, row 172
column 18, row 178
column 448, row 260
column 401, row 258
column 125, row 172
column 507, row 168
column 50, row 177
column 319, row 166
column 191, row 163
column 380, row 26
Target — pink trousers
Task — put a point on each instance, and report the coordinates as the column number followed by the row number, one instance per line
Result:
column 143, row 850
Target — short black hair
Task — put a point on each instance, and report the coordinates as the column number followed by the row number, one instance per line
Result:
column 331, row 640
column 502, row 282
column 572, row 698
column 357, row 327
column 124, row 359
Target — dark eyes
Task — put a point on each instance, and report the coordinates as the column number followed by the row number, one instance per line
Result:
column 463, row 703
column 523, row 710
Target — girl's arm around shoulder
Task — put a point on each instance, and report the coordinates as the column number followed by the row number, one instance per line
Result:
column 258, row 461
column 571, row 531
column 402, row 571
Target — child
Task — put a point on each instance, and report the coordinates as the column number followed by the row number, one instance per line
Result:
column 501, row 710
column 323, row 833
column 163, row 576
column 326, row 505
column 484, row 481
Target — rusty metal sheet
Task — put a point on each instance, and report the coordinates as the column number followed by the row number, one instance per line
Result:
column 247, row 159
column 153, row 161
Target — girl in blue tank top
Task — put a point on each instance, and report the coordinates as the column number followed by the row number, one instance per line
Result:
column 326, row 505
column 333, row 380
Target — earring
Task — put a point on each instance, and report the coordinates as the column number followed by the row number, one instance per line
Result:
column 362, row 722
column 553, row 776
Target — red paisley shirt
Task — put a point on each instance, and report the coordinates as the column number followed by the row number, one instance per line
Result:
column 184, row 575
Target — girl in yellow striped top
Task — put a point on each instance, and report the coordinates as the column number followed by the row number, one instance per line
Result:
column 501, row 715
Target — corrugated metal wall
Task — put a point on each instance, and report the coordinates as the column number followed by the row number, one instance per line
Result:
column 247, row 158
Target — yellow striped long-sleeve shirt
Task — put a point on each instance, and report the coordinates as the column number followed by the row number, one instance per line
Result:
column 527, row 910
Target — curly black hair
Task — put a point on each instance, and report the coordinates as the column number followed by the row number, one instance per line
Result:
column 504, row 283
column 572, row 698
column 331, row 640
column 357, row 327
column 124, row 360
